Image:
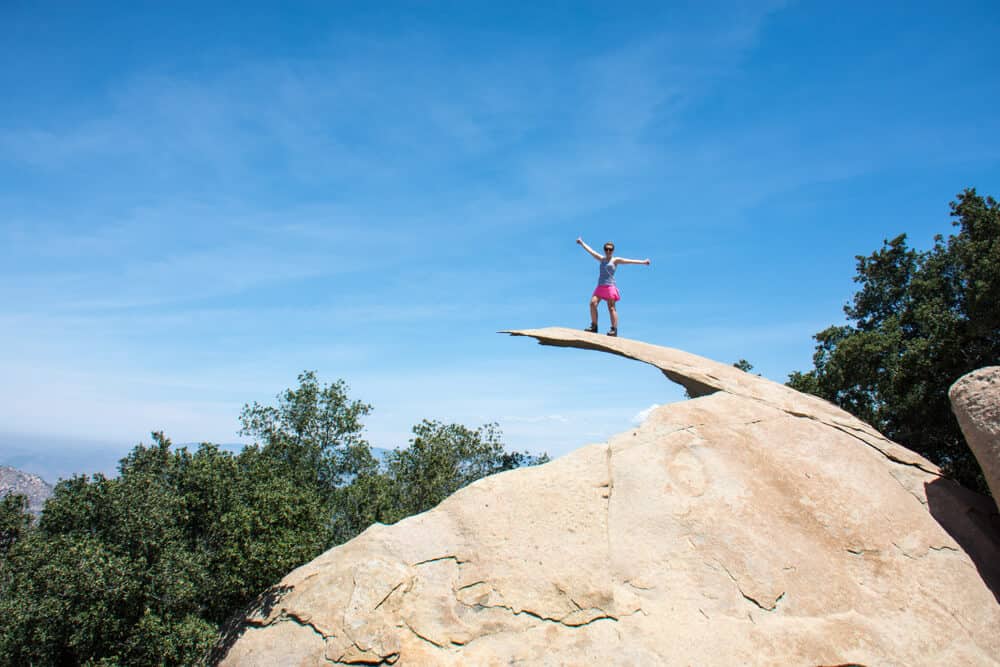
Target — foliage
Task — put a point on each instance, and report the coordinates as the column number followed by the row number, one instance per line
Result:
column 314, row 432
column 14, row 520
column 441, row 459
column 745, row 366
column 109, row 569
column 919, row 321
column 145, row 568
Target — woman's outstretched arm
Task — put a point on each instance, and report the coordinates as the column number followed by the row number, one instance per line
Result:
column 590, row 250
column 622, row 260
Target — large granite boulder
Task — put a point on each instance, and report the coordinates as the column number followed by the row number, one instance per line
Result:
column 751, row 525
column 975, row 400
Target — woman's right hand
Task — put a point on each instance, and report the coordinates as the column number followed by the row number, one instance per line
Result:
column 579, row 240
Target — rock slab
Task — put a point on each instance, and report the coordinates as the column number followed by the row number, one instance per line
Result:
column 975, row 400
column 751, row 525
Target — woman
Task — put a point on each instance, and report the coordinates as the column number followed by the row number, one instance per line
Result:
column 606, row 288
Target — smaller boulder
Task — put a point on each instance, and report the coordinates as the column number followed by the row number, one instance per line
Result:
column 975, row 400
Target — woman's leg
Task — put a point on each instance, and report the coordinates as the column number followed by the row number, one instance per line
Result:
column 593, row 309
column 613, row 311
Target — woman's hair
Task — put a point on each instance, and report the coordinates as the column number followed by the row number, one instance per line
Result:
column 609, row 243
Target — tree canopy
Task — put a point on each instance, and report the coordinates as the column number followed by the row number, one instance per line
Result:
column 919, row 321
column 147, row 567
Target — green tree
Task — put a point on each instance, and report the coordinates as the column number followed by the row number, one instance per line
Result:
column 313, row 431
column 108, row 574
column 145, row 568
column 14, row 520
column 919, row 321
column 442, row 458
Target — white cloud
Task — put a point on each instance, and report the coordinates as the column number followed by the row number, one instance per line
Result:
column 643, row 415
column 121, row 287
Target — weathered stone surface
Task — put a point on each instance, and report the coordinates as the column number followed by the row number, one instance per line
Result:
column 975, row 400
column 752, row 525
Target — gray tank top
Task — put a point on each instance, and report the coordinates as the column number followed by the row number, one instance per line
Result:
column 607, row 274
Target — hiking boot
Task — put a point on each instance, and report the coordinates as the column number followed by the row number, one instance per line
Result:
column 613, row 332
column 592, row 328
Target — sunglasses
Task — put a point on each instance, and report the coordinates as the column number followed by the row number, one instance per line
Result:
column 607, row 249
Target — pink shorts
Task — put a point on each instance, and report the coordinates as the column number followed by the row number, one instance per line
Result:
column 607, row 292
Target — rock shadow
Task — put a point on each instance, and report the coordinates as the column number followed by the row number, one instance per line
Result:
column 972, row 520
column 233, row 629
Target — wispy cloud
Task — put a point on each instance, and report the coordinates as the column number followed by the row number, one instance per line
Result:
column 380, row 115
column 643, row 415
column 225, row 228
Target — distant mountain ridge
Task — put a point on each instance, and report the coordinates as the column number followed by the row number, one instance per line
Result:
column 54, row 457
column 18, row 482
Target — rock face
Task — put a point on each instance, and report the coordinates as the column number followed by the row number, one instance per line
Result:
column 14, row 481
column 975, row 400
column 751, row 525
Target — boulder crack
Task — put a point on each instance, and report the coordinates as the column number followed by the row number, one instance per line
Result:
column 474, row 583
column 387, row 595
column 611, row 492
column 851, row 432
column 629, row 582
column 292, row 617
column 763, row 606
column 943, row 547
column 602, row 615
column 385, row 660
column 298, row 620
column 426, row 639
column 930, row 548
column 440, row 558
column 860, row 551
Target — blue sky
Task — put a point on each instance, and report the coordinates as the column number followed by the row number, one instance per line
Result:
column 196, row 203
